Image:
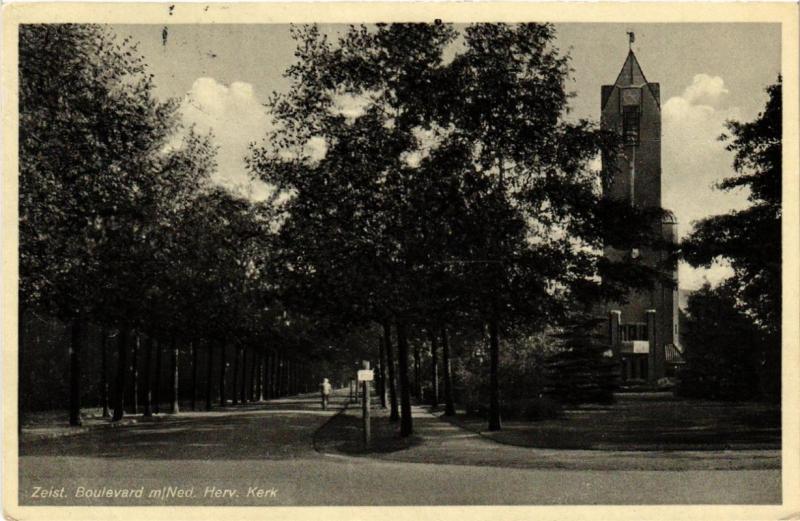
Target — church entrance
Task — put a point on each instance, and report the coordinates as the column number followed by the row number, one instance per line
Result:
column 634, row 367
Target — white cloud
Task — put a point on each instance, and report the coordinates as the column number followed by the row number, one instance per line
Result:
column 236, row 117
column 694, row 160
column 694, row 278
column 705, row 90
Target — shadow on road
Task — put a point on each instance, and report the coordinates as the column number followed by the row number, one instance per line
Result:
column 274, row 430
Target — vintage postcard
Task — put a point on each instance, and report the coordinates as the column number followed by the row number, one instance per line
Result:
column 407, row 261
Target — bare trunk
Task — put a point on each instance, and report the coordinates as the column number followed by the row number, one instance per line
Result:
column 137, row 342
column 104, row 375
column 222, row 371
column 494, row 383
column 148, row 389
column 434, row 369
column 76, row 344
column 387, row 343
column 406, row 427
column 243, row 385
column 236, row 356
column 222, row 364
column 175, row 408
column 286, row 368
column 417, row 378
column 261, row 371
column 209, row 374
column 194, row 375
column 382, row 373
column 270, row 375
column 157, row 378
column 122, row 370
column 449, row 406
column 22, row 330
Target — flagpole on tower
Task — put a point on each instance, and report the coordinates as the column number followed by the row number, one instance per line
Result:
column 631, row 39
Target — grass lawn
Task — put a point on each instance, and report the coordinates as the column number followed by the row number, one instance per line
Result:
column 646, row 421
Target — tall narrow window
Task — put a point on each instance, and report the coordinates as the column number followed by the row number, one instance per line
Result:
column 630, row 125
column 631, row 105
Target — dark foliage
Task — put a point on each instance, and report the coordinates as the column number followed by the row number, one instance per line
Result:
column 723, row 348
column 583, row 371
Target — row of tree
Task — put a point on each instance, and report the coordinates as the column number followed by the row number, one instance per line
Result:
column 455, row 194
column 120, row 224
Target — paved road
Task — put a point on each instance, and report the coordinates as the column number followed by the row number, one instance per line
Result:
column 264, row 455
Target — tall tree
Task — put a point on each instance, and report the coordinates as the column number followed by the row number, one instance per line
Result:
column 418, row 187
column 750, row 239
column 99, row 175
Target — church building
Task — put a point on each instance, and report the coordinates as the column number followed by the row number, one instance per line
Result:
column 643, row 331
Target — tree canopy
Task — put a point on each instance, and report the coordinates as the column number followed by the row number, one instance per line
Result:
column 750, row 239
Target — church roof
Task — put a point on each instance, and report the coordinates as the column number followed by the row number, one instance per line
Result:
column 631, row 75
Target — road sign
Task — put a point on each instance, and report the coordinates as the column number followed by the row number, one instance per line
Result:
column 366, row 375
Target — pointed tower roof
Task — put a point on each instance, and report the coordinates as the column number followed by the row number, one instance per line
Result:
column 631, row 74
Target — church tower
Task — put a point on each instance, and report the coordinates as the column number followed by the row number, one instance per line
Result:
column 644, row 330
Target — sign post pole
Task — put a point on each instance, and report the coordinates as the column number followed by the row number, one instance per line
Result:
column 364, row 377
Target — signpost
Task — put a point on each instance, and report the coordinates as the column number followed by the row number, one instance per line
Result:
column 365, row 376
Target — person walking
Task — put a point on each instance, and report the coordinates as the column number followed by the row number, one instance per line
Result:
column 325, row 389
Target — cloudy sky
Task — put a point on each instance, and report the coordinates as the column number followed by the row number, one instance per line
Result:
column 708, row 73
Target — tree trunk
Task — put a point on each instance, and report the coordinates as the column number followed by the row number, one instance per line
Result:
column 122, row 369
column 76, row 343
column 193, row 346
column 22, row 330
column 148, row 387
column 157, row 389
column 236, row 356
column 243, row 383
column 267, row 375
column 273, row 372
column 417, row 378
column 261, row 370
column 434, row 369
column 406, row 427
column 209, row 374
column 104, row 375
column 449, row 406
column 279, row 371
column 387, row 343
column 285, row 377
column 274, row 375
column 253, row 380
column 175, row 408
column 222, row 400
column 381, row 373
column 494, row 382
column 137, row 341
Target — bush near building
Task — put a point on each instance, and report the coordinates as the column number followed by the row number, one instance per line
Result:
column 723, row 349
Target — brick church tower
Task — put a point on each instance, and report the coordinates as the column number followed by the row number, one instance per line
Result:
column 644, row 330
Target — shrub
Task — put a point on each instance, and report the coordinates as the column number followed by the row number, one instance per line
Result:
column 582, row 373
column 723, row 349
column 542, row 408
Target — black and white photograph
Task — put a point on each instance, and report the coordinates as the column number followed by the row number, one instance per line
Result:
column 411, row 261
